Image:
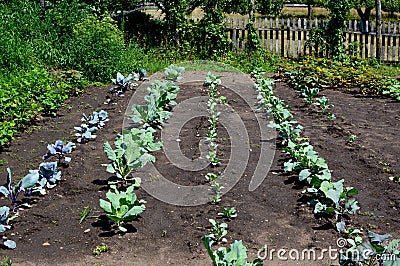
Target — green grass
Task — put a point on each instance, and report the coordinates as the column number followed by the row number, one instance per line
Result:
column 198, row 65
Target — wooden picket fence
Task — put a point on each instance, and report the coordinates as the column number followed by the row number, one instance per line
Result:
column 287, row 37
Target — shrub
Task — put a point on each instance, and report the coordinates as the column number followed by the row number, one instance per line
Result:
column 99, row 47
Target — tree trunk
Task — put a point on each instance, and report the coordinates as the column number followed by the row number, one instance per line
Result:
column 378, row 30
column 309, row 11
column 251, row 15
column 364, row 15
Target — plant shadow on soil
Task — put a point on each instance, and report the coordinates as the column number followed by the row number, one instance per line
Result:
column 274, row 214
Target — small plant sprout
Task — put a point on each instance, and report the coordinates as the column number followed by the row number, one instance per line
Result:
column 28, row 182
column 395, row 179
column 216, row 187
column 228, row 213
column 212, row 156
column 323, row 103
column 331, row 116
column 174, row 73
column 59, row 149
column 218, row 231
column 122, row 84
column 100, row 249
column 6, row 261
column 211, row 177
column 212, row 80
column 351, row 138
column 85, row 214
column 122, row 206
column 4, row 220
column 142, row 74
column 309, row 94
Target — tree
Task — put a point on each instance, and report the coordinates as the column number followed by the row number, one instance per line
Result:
column 391, row 6
column 269, row 7
column 368, row 5
column 339, row 12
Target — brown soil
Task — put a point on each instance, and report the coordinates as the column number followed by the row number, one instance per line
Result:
column 165, row 234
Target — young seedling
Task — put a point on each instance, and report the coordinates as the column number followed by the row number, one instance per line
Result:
column 211, row 177
column 59, row 149
column 100, row 249
column 96, row 119
column 6, row 261
column 174, row 73
column 84, row 214
column 351, row 138
column 218, row 231
column 228, row 213
column 212, row 156
column 309, row 94
column 323, row 103
column 373, row 251
column 122, row 206
column 216, row 187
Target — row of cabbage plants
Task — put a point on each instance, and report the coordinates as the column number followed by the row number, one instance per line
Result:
column 47, row 176
column 132, row 148
column 329, row 199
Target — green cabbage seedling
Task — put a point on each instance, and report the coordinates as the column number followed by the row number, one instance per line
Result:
column 122, row 206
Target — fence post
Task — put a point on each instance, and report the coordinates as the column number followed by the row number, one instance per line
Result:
column 378, row 29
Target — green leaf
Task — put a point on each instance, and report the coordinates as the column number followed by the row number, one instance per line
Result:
column 392, row 262
column 106, row 206
column 109, row 152
column 319, row 207
column 392, row 246
column 4, row 191
column 304, row 174
column 110, row 169
column 10, row 244
column 114, row 199
column 376, row 238
column 237, row 254
column 28, row 181
column 351, row 206
column 134, row 212
column 332, row 190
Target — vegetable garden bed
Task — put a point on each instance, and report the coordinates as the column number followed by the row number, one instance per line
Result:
column 273, row 214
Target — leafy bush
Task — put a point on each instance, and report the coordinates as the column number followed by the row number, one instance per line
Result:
column 99, row 47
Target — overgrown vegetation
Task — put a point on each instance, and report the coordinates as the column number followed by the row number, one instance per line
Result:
column 352, row 74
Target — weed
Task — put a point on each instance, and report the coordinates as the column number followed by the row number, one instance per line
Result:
column 100, row 249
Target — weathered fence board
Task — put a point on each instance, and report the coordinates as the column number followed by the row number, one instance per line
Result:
column 288, row 37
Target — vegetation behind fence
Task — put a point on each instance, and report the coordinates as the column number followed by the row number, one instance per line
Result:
column 287, row 37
